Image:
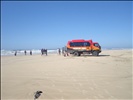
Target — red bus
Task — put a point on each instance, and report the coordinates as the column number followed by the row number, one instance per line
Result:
column 80, row 46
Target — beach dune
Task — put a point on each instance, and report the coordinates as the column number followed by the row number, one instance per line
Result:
column 108, row 76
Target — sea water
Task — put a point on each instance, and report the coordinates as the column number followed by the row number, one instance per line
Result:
column 21, row 52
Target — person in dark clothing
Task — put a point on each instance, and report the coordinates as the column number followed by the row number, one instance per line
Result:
column 25, row 52
column 46, row 51
column 30, row 52
column 59, row 51
column 15, row 53
column 42, row 51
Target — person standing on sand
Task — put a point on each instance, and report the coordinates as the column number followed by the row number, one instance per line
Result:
column 62, row 50
column 25, row 52
column 42, row 51
column 15, row 53
column 59, row 51
column 30, row 52
column 65, row 52
column 46, row 51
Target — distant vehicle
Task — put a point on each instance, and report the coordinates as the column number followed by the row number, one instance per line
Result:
column 80, row 46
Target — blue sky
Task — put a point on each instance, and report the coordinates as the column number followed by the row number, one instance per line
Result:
column 50, row 24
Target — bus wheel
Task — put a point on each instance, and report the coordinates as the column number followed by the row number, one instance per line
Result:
column 95, row 53
column 79, row 54
column 76, row 54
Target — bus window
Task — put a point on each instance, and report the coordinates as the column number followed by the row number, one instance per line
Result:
column 79, row 44
column 96, row 44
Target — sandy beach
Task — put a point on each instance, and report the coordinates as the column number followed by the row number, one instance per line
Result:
column 108, row 76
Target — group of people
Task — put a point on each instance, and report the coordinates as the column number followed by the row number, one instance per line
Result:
column 64, row 52
column 25, row 52
column 44, row 51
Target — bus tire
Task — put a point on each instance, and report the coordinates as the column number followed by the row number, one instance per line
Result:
column 76, row 54
column 79, row 54
column 95, row 53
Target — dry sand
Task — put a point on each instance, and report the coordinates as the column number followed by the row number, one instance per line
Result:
column 107, row 77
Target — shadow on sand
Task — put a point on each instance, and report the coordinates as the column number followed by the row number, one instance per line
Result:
column 103, row 55
column 94, row 56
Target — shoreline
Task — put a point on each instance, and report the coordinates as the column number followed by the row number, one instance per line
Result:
column 57, row 53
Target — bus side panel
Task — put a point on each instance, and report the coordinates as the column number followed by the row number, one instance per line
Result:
column 78, row 49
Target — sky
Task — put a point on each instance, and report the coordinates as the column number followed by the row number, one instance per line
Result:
column 51, row 24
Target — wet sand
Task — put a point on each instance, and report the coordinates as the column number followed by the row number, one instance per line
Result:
column 108, row 76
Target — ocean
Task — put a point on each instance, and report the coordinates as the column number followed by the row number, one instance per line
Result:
column 21, row 52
